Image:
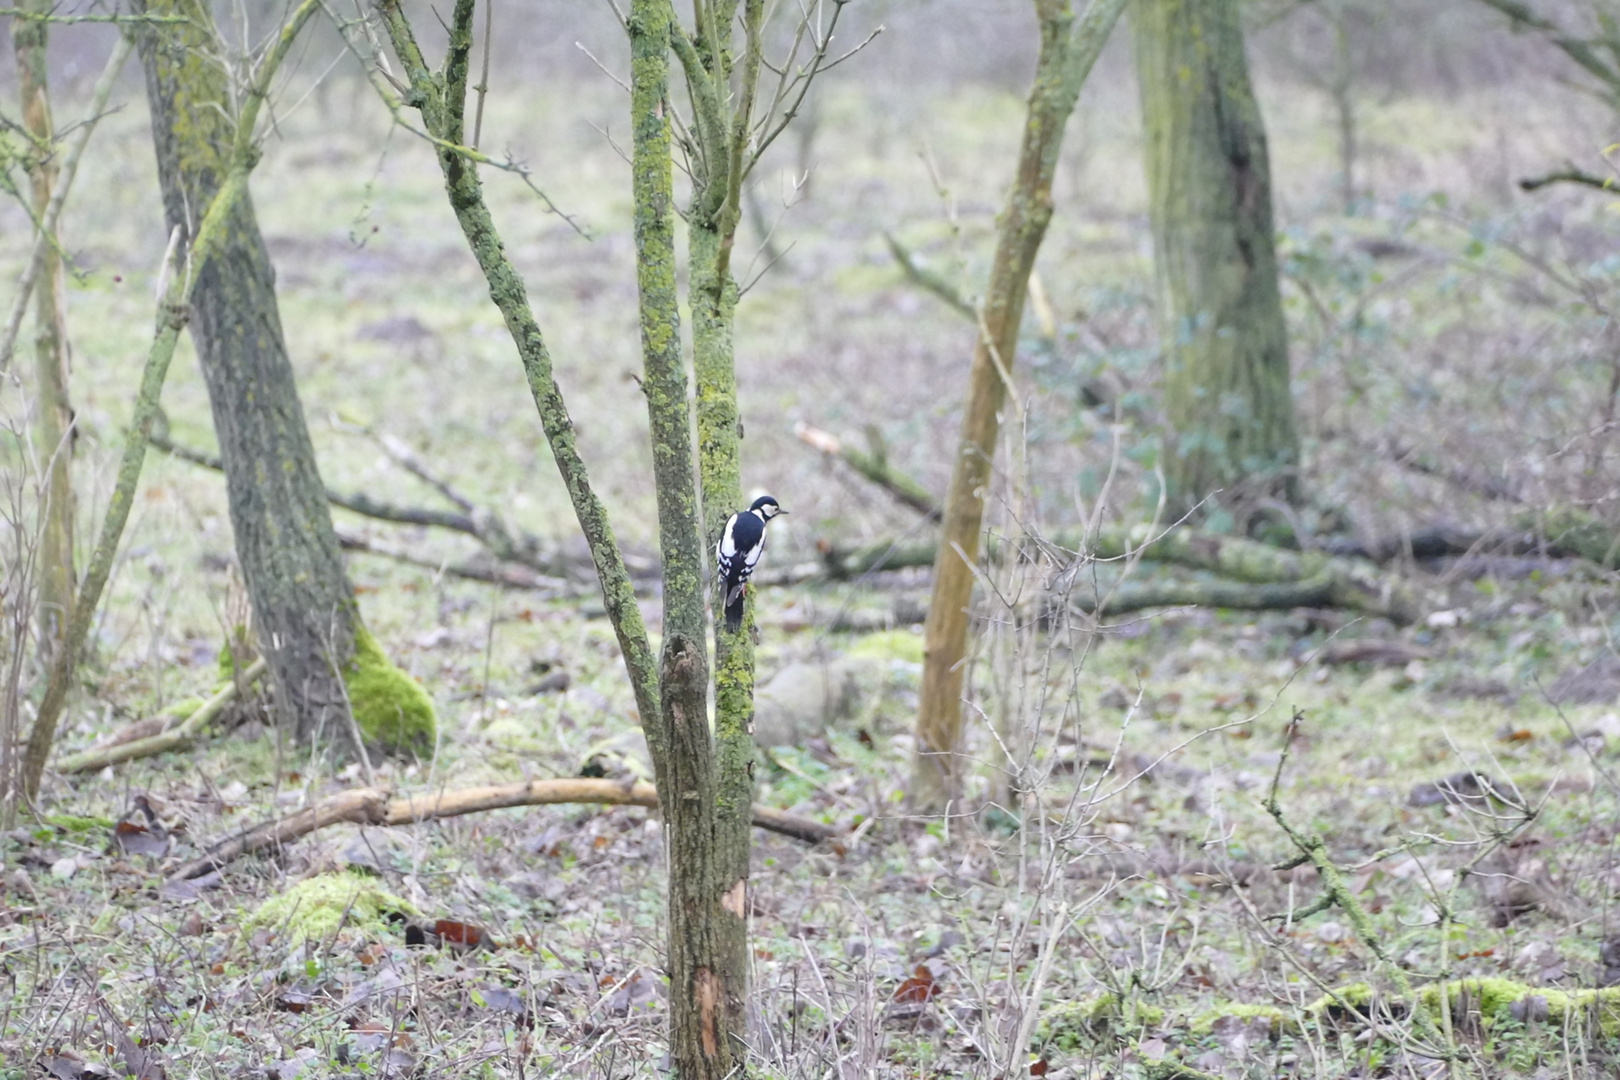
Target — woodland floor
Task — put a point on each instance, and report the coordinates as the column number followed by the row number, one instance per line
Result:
column 1113, row 911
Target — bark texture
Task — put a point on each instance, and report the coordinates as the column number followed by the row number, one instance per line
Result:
column 303, row 606
column 53, row 416
column 1229, row 410
column 722, row 125
column 1069, row 48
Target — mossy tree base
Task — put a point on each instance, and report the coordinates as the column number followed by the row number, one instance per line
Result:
column 394, row 713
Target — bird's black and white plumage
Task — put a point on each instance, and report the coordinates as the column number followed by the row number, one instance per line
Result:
column 741, row 544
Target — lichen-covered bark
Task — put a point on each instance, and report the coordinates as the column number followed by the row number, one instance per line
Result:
column 440, row 99
column 53, row 417
column 713, row 301
column 303, row 607
column 712, row 297
column 1069, row 48
column 1228, row 407
column 707, row 891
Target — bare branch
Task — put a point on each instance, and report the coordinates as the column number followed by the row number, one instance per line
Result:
column 176, row 738
column 1568, row 175
column 372, row 806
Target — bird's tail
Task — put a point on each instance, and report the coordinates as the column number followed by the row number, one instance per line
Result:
column 734, row 608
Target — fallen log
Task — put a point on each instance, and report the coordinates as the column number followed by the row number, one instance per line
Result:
column 176, row 738
column 373, row 806
column 1319, row 580
column 1351, row 584
column 1234, row 595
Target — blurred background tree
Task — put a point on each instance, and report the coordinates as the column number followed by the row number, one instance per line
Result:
column 1230, row 446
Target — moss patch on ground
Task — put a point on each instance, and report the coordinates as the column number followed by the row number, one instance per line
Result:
column 394, row 713
column 1495, row 1000
column 318, row 907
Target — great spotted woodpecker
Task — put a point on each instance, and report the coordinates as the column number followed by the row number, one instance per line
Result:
column 741, row 544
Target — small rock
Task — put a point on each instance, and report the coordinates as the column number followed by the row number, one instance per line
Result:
column 1464, row 788
column 555, row 683
column 432, row 639
column 799, row 701
column 62, row 869
column 1332, row 932
column 1530, row 1009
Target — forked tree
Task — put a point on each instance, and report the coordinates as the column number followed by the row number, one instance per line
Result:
column 705, row 776
column 1069, row 48
column 1229, row 436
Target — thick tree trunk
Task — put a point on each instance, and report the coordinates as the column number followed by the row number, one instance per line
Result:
column 303, row 607
column 53, row 417
column 1229, row 411
column 173, row 311
column 1068, row 51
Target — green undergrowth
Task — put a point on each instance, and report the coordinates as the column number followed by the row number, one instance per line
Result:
column 1505, row 1019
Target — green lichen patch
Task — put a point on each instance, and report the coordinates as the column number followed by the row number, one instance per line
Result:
column 181, row 710
column 317, row 908
column 78, row 823
column 236, row 642
column 393, row 711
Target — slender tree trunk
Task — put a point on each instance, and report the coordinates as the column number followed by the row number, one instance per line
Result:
column 1069, row 48
column 708, row 863
column 713, row 300
column 53, row 419
column 712, row 297
column 303, row 606
column 1229, row 411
